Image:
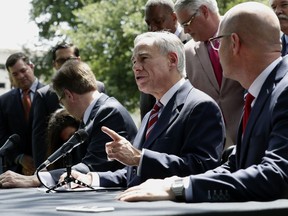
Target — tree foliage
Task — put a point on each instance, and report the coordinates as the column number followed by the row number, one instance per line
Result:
column 104, row 31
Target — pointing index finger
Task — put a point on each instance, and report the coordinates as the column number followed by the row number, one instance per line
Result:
column 111, row 133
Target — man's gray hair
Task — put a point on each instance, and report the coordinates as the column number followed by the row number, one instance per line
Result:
column 167, row 42
column 192, row 5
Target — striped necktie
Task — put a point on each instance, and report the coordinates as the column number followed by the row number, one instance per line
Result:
column 153, row 118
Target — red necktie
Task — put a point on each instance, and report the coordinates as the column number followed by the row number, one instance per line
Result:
column 214, row 58
column 153, row 117
column 26, row 102
column 247, row 109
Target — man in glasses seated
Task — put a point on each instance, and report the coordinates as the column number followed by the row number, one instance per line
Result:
column 46, row 101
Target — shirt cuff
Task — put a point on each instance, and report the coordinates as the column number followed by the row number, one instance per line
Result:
column 188, row 188
column 46, row 179
column 95, row 179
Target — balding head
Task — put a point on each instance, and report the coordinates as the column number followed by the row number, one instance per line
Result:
column 255, row 24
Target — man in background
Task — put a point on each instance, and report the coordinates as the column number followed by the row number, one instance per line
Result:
column 16, row 113
column 201, row 18
column 280, row 7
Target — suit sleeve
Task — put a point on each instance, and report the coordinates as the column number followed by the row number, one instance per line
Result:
column 259, row 181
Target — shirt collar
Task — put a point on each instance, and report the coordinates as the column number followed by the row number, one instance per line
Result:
column 256, row 86
column 168, row 95
column 96, row 96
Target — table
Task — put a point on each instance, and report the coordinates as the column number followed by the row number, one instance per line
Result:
column 32, row 201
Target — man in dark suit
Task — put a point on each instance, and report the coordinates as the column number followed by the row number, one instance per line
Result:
column 159, row 16
column 46, row 101
column 12, row 113
column 188, row 136
column 280, row 8
column 258, row 168
column 76, row 87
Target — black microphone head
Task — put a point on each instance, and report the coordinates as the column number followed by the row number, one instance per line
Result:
column 15, row 138
column 10, row 145
column 82, row 135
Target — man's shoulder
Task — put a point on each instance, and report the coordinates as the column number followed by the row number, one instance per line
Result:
column 191, row 44
column 45, row 90
column 8, row 94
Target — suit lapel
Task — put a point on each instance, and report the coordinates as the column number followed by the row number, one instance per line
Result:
column 203, row 57
column 168, row 115
column 269, row 85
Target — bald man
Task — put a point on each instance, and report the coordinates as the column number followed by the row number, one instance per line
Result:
column 257, row 169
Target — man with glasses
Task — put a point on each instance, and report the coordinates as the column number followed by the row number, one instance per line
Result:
column 258, row 169
column 201, row 18
column 46, row 101
column 280, row 7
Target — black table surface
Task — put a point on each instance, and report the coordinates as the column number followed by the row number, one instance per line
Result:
column 33, row 201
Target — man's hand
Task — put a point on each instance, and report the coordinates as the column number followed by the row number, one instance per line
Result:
column 150, row 190
column 10, row 179
column 85, row 178
column 121, row 149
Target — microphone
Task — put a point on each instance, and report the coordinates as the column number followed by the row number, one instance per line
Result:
column 11, row 143
column 78, row 138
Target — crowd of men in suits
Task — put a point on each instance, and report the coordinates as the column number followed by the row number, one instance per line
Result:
column 184, row 133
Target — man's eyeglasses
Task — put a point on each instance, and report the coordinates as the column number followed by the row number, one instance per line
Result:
column 61, row 61
column 60, row 98
column 186, row 24
column 215, row 41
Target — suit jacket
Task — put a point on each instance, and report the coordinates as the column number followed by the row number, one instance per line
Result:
column 91, row 154
column 258, row 169
column 187, row 138
column 46, row 102
column 229, row 97
column 12, row 121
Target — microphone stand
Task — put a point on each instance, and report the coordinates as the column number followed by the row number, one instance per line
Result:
column 69, row 178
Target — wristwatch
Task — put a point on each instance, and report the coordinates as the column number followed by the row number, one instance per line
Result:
column 178, row 190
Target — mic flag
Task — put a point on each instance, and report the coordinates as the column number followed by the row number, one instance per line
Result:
column 78, row 138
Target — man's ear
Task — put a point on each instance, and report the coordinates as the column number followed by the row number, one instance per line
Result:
column 68, row 94
column 235, row 43
column 173, row 58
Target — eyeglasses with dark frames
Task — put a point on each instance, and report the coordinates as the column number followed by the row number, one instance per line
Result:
column 186, row 24
column 61, row 61
column 215, row 41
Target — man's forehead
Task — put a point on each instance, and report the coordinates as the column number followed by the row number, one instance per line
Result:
column 142, row 47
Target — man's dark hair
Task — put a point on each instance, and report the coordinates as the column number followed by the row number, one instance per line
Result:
column 12, row 59
column 64, row 45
